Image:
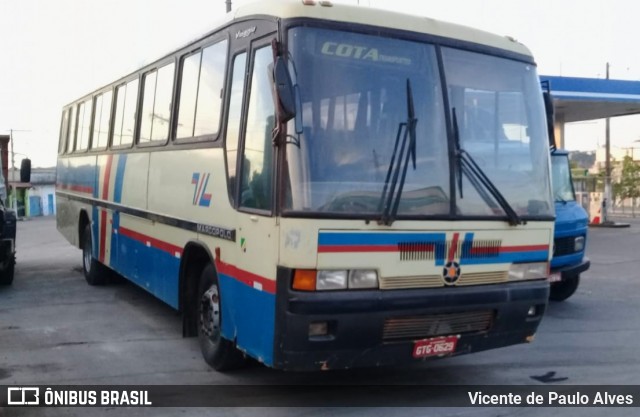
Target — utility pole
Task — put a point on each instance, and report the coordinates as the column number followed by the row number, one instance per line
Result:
column 606, row 202
column 228, row 3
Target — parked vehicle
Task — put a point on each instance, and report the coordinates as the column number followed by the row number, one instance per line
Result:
column 8, row 217
column 570, row 237
column 321, row 186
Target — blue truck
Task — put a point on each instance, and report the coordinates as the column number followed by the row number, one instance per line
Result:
column 570, row 237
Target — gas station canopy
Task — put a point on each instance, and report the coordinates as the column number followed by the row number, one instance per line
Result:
column 579, row 99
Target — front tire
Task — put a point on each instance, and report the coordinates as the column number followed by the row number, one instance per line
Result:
column 564, row 289
column 218, row 352
column 94, row 272
column 6, row 276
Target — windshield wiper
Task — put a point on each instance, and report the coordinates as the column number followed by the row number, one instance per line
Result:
column 480, row 181
column 390, row 198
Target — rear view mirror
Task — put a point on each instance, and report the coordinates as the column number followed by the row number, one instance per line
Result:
column 284, row 91
column 550, row 113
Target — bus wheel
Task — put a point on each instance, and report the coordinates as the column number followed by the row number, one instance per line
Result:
column 6, row 276
column 94, row 272
column 564, row 289
column 218, row 352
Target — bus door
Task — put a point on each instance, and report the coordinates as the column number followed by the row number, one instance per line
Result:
column 249, row 296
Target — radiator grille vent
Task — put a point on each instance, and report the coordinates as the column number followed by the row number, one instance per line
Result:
column 420, row 327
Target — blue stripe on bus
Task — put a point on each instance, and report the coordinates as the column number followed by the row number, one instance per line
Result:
column 117, row 193
column 114, row 239
column 153, row 269
column 378, row 238
column 248, row 318
column 509, row 257
column 96, row 179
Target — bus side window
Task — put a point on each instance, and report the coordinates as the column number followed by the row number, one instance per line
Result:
column 64, row 132
column 201, row 91
column 233, row 123
column 257, row 161
column 124, row 123
column 72, row 130
column 101, row 120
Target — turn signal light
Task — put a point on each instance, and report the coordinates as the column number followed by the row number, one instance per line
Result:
column 304, row 280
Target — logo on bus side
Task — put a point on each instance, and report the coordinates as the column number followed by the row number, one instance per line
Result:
column 200, row 181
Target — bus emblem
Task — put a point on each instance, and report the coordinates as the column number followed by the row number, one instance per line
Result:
column 200, row 195
column 451, row 270
column 451, row 273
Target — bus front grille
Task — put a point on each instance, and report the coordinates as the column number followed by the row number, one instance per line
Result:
column 420, row 327
column 483, row 278
column 435, row 281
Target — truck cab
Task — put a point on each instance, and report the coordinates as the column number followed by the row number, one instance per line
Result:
column 570, row 236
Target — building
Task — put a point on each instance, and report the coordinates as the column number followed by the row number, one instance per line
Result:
column 38, row 197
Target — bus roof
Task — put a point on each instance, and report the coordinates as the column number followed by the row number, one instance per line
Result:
column 376, row 17
column 291, row 9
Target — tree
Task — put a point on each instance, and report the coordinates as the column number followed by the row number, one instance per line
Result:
column 630, row 181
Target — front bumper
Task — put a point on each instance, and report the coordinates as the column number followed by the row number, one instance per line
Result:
column 573, row 269
column 356, row 320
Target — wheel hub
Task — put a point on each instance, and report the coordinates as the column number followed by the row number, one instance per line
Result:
column 210, row 313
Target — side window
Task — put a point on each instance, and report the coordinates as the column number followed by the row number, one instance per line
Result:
column 64, row 131
column 257, row 162
column 101, row 119
column 84, row 125
column 201, row 91
column 233, row 121
column 72, row 130
column 156, row 104
column 125, row 113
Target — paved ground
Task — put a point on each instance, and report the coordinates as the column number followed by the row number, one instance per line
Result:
column 55, row 329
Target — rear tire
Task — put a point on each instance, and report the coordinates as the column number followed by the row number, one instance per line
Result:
column 6, row 276
column 220, row 353
column 94, row 272
column 564, row 289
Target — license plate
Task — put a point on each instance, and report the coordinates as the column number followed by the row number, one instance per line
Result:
column 435, row 347
column 555, row 277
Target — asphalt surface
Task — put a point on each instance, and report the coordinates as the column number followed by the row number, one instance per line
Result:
column 55, row 329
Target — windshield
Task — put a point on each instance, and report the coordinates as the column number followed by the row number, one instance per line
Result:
column 501, row 124
column 561, row 178
column 352, row 100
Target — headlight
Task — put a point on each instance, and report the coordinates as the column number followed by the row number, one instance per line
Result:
column 533, row 270
column 578, row 244
column 331, row 280
column 363, row 278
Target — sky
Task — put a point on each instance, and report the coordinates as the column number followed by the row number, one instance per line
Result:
column 54, row 51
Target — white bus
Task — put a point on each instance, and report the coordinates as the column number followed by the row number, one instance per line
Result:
column 321, row 186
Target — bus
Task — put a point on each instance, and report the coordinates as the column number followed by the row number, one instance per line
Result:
column 570, row 234
column 320, row 186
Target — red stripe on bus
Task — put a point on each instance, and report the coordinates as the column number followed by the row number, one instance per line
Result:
column 103, row 234
column 107, row 175
column 526, row 248
column 78, row 188
column 357, row 248
column 246, row 277
column 151, row 241
column 453, row 248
